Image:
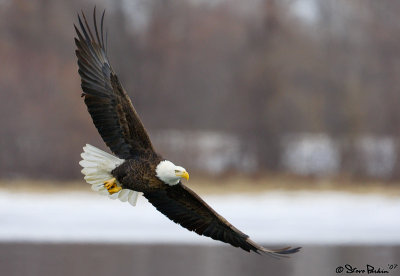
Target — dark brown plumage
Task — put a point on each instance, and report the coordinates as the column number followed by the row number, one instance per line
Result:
column 121, row 129
column 109, row 105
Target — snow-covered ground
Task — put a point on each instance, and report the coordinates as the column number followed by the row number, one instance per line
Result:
column 292, row 218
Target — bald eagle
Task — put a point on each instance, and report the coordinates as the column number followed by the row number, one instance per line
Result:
column 137, row 167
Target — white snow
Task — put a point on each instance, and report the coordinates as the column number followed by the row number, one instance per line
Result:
column 292, row 218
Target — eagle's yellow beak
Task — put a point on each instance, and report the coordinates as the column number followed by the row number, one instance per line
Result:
column 183, row 175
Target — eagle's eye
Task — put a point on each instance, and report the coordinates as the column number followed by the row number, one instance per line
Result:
column 176, row 171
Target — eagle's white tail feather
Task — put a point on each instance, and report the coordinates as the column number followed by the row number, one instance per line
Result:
column 97, row 166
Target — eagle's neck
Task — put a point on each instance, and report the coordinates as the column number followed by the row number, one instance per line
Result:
column 165, row 171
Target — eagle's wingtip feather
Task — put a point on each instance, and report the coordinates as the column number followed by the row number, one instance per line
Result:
column 282, row 252
column 279, row 253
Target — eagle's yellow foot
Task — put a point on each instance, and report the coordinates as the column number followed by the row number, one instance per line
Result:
column 111, row 186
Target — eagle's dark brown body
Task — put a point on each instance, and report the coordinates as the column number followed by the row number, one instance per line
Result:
column 121, row 129
column 139, row 174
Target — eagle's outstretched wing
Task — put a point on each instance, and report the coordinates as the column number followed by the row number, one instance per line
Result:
column 185, row 207
column 109, row 105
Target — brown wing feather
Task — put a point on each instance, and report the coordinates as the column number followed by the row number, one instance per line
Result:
column 183, row 206
column 109, row 105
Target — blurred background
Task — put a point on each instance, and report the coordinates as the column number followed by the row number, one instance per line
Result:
column 284, row 112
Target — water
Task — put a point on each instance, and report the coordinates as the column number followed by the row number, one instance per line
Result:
column 87, row 234
column 77, row 259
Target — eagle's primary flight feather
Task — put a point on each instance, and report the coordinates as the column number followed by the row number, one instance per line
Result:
column 136, row 166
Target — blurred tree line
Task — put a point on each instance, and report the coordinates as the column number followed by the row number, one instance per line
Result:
column 258, row 71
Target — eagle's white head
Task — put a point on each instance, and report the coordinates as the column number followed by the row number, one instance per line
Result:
column 170, row 174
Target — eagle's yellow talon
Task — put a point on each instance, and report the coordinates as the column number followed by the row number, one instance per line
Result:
column 111, row 186
column 116, row 189
column 109, row 183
